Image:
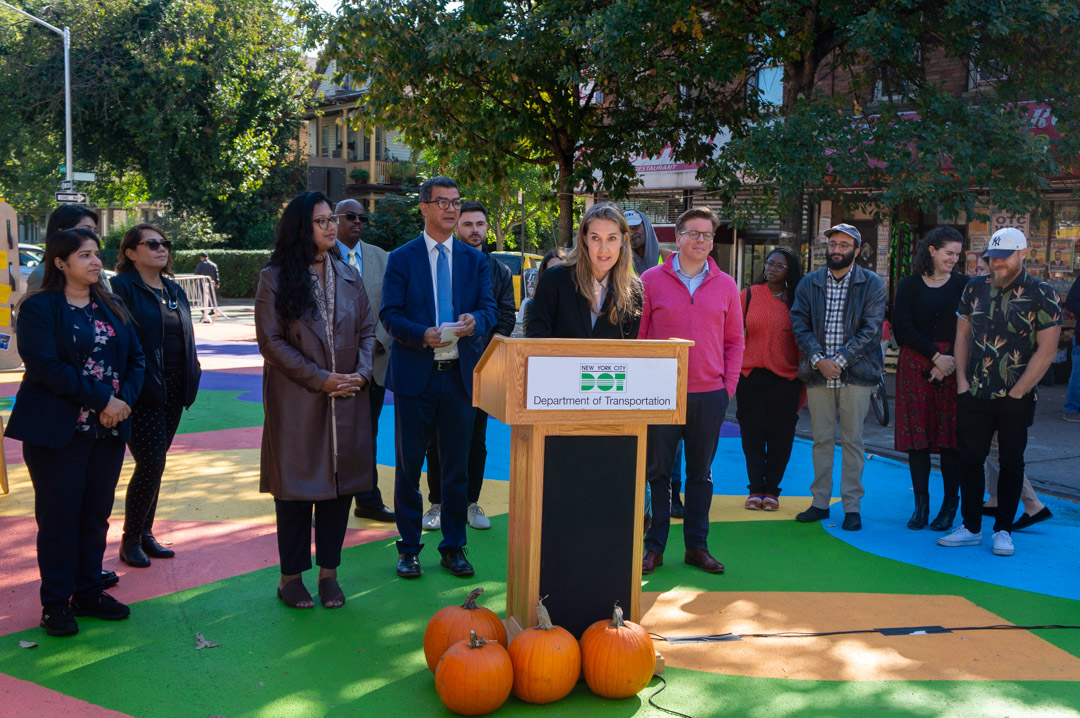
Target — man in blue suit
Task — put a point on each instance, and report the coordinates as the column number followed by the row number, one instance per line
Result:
column 432, row 281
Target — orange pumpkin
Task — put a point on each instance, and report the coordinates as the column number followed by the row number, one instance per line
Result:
column 474, row 677
column 547, row 661
column 453, row 623
column 618, row 657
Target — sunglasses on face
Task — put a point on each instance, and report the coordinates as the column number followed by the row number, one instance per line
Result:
column 156, row 244
column 775, row 265
column 354, row 217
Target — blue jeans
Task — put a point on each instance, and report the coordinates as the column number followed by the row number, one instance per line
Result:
column 1072, row 398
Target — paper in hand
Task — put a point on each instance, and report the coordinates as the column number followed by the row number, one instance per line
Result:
column 446, row 334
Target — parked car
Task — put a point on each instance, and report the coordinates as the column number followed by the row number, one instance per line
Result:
column 31, row 255
column 512, row 261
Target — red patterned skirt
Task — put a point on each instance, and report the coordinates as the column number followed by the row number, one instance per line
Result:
column 925, row 414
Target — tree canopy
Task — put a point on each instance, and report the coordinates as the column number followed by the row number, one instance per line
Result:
column 201, row 99
column 584, row 86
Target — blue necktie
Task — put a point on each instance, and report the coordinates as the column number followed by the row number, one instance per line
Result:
column 442, row 280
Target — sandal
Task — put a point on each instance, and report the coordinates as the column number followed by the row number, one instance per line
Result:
column 770, row 503
column 330, row 591
column 293, row 593
column 753, row 502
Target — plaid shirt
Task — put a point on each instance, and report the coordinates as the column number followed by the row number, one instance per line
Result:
column 835, row 300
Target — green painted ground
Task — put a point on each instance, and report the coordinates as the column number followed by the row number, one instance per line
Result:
column 367, row 658
column 218, row 410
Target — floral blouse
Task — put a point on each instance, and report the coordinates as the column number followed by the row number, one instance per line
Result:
column 97, row 347
column 1004, row 324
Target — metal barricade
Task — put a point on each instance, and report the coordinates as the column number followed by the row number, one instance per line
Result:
column 201, row 295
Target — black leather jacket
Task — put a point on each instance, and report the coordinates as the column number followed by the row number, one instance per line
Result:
column 146, row 312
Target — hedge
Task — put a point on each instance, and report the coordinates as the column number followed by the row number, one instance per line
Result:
column 238, row 269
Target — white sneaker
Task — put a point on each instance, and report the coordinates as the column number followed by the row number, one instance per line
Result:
column 1003, row 545
column 477, row 519
column 961, row 537
column 432, row 519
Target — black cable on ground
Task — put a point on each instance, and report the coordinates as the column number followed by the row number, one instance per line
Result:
column 899, row 631
column 663, row 685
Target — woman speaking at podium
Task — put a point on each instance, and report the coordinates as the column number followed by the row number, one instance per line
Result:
column 594, row 294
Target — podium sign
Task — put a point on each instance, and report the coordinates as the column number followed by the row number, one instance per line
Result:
column 602, row 383
column 578, row 410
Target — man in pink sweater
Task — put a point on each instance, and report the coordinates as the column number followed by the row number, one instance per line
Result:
column 688, row 297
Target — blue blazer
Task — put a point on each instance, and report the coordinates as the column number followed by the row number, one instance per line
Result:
column 408, row 310
column 53, row 388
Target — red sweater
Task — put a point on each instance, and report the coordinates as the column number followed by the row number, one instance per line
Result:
column 712, row 319
column 770, row 343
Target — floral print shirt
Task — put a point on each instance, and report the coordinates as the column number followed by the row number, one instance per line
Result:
column 95, row 341
column 1004, row 324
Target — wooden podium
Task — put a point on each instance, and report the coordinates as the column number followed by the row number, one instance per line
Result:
column 578, row 411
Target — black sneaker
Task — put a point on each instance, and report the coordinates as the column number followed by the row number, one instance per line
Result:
column 100, row 605
column 58, row 621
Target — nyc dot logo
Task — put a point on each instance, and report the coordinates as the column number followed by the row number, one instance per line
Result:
column 603, row 377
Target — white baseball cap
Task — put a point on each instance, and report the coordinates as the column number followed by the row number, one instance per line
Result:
column 1006, row 241
column 633, row 217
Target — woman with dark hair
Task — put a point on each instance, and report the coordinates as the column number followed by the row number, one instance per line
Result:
column 84, row 368
column 162, row 318
column 66, row 216
column 317, row 338
column 769, row 394
column 924, row 322
column 594, row 294
column 553, row 258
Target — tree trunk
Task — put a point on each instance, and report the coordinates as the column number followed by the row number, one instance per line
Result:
column 566, row 201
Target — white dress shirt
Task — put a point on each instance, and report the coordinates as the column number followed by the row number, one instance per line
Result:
column 433, row 260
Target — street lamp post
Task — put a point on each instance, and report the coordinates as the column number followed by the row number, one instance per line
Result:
column 66, row 34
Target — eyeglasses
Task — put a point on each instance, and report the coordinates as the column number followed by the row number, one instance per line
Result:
column 354, row 217
column 693, row 235
column 445, row 203
column 325, row 222
column 841, row 247
column 155, row 244
column 775, row 265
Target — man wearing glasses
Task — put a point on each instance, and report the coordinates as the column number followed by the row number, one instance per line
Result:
column 431, row 282
column 837, row 319
column 690, row 298
column 370, row 261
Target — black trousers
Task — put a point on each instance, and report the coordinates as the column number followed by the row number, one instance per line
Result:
column 374, row 497
column 701, row 433
column 152, row 432
column 294, row 533
column 976, row 422
column 74, row 489
column 768, row 410
column 476, row 466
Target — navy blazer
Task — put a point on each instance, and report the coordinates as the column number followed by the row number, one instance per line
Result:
column 53, row 388
column 408, row 310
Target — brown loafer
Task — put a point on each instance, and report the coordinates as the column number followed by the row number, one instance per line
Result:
column 701, row 558
column 650, row 561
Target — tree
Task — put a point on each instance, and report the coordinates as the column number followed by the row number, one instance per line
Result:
column 517, row 81
column 203, row 99
column 894, row 136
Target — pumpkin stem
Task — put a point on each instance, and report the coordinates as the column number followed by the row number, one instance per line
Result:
column 543, row 618
column 475, row 641
column 470, row 602
column 616, row 617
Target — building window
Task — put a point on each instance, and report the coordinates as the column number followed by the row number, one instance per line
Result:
column 312, row 138
column 985, row 74
column 769, row 82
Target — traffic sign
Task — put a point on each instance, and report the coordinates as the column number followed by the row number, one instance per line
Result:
column 66, row 186
column 72, row 197
column 78, row 176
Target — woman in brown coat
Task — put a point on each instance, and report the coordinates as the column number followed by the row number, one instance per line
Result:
column 317, row 337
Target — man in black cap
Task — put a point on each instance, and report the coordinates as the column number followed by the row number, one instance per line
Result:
column 837, row 319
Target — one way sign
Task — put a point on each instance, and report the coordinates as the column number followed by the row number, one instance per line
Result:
column 72, row 197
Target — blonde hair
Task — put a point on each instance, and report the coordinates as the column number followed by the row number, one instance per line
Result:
column 623, row 284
